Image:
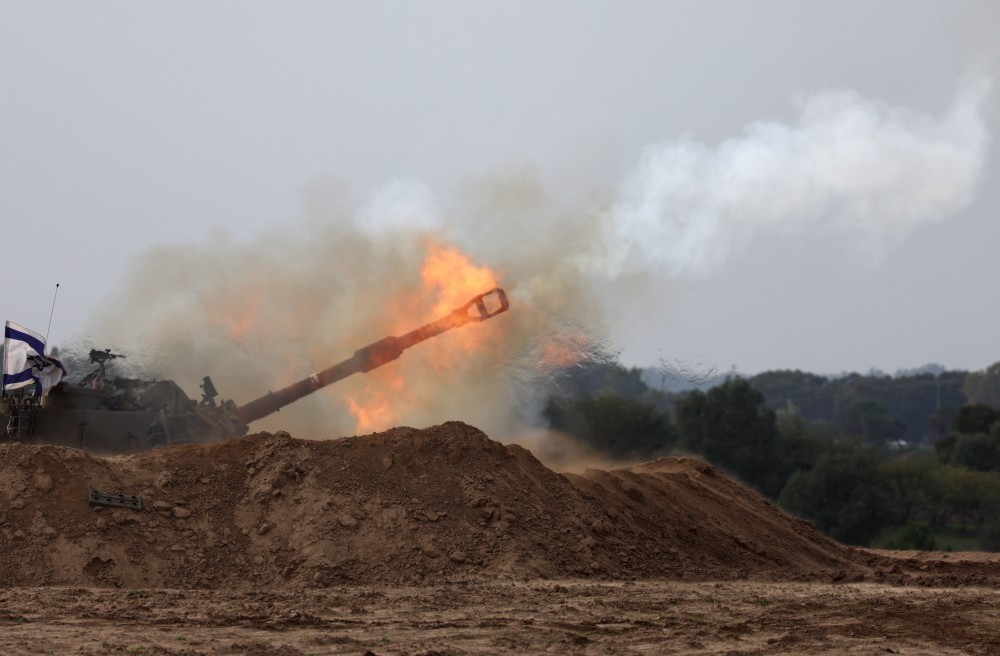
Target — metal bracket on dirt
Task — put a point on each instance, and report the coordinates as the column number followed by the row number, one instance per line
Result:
column 98, row 498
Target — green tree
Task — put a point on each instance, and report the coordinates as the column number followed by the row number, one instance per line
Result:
column 613, row 425
column 983, row 386
column 976, row 418
column 870, row 421
column 844, row 494
column 945, row 447
column 921, row 402
column 730, row 426
column 968, row 495
column 602, row 378
column 812, row 395
column 800, row 442
column 979, row 452
column 911, row 536
column 912, row 485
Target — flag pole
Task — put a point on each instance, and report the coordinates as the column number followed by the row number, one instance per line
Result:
column 3, row 360
column 52, row 312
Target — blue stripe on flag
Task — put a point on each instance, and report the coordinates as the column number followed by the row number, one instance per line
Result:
column 20, row 377
column 33, row 342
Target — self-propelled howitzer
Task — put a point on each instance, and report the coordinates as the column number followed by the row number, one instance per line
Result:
column 107, row 415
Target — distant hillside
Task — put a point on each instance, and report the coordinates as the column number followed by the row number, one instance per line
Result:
column 918, row 408
column 916, row 405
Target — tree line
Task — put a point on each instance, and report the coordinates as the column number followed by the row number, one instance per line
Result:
column 904, row 462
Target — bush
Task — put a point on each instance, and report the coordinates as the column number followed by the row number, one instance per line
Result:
column 613, row 425
column 912, row 536
column 979, row 452
column 844, row 494
column 976, row 418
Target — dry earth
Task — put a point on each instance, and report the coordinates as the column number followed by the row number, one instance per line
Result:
column 442, row 541
column 480, row 617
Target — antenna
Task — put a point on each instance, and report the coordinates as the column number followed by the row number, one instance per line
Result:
column 53, row 311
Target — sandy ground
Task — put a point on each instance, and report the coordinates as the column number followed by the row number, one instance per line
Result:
column 567, row 617
column 442, row 541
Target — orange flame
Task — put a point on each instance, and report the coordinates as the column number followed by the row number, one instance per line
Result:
column 563, row 351
column 454, row 277
column 239, row 316
column 448, row 280
column 371, row 414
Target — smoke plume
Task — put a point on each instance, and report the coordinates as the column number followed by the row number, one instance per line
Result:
column 848, row 165
column 264, row 311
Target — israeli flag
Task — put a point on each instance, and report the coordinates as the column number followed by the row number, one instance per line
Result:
column 25, row 362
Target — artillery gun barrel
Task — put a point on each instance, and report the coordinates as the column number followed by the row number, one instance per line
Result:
column 482, row 307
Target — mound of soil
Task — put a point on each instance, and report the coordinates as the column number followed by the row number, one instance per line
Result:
column 405, row 506
column 708, row 524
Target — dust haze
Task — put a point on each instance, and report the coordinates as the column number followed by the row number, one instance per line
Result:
column 262, row 312
column 256, row 312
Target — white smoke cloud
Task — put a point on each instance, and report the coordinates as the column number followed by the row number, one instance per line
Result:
column 848, row 164
column 265, row 311
column 401, row 202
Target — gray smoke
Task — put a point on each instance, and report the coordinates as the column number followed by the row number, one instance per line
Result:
column 262, row 312
column 848, row 165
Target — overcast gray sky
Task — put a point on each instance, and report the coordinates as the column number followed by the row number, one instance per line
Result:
column 124, row 126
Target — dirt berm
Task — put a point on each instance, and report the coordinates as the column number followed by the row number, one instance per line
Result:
column 405, row 506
